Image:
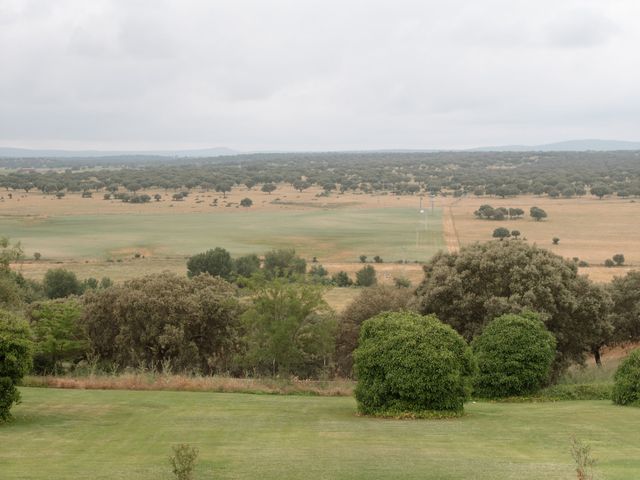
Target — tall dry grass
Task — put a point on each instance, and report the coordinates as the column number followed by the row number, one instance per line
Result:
column 150, row 381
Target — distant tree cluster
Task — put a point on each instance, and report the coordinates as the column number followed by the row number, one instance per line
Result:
column 500, row 174
column 487, row 212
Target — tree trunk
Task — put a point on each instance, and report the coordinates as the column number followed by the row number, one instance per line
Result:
column 596, row 355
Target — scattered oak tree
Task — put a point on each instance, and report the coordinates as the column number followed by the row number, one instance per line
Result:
column 537, row 213
column 501, row 233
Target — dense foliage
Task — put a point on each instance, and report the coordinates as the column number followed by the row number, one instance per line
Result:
column 59, row 339
column 216, row 262
column 160, row 320
column 369, row 303
column 625, row 293
column 483, row 281
column 366, row 276
column 15, row 359
column 289, row 329
column 626, row 389
column 407, row 363
column 514, row 355
column 283, row 263
column 60, row 283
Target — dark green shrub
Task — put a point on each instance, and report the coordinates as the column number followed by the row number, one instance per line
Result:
column 60, row 283
column 15, row 359
column 366, row 276
column 216, row 262
column 408, row 364
column 341, row 279
column 626, row 387
column 514, row 355
column 247, row 265
column 283, row 263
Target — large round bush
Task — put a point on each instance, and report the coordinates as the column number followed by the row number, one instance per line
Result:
column 411, row 364
column 15, row 359
column 514, row 355
column 626, row 388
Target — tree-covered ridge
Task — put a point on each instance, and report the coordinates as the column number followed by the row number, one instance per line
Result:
column 557, row 174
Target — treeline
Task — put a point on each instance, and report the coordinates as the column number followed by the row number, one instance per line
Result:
column 275, row 322
column 503, row 174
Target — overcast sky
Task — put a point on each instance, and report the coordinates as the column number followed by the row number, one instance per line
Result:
column 320, row 75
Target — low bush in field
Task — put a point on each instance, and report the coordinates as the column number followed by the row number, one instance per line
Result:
column 514, row 355
column 411, row 365
column 626, row 388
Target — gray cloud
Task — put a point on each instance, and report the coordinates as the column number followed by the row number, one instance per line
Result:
column 277, row 74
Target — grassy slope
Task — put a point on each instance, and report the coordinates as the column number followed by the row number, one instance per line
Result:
column 125, row 434
column 330, row 234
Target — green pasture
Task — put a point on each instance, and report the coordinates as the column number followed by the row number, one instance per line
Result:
column 72, row 434
column 331, row 234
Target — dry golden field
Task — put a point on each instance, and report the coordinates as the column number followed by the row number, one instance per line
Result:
column 589, row 229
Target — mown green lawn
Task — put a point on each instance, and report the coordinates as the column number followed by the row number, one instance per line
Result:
column 65, row 434
column 330, row 234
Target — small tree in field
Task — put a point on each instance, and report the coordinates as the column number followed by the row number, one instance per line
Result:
column 537, row 213
column 407, row 364
column 183, row 461
column 609, row 263
column 581, row 454
column 618, row 258
column 268, row 188
column 37, row 256
column 555, row 240
column 246, row 202
column 366, row 276
column 600, row 191
column 363, row 259
column 501, row 233
column 515, row 233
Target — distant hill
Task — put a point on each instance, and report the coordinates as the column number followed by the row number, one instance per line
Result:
column 30, row 153
column 567, row 146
